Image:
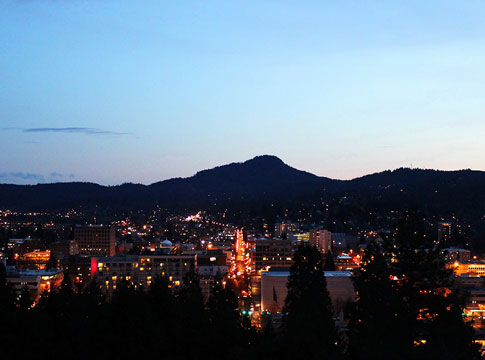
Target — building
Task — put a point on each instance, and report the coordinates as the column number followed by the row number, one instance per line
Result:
column 78, row 268
column 141, row 270
column 344, row 241
column 95, row 240
column 274, row 290
column 346, row 262
column 474, row 310
column 287, row 228
column 12, row 243
column 472, row 268
column 455, row 254
column 36, row 282
column 62, row 249
column 272, row 252
column 212, row 263
column 444, row 232
column 300, row 238
column 322, row 239
column 36, row 259
column 466, row 281
column 206, row 286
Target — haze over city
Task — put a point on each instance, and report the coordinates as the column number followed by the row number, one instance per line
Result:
column 114, row 92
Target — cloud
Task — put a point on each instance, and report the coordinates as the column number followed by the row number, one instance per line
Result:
column 33, row 178
column 22, row 176
column 74, row 130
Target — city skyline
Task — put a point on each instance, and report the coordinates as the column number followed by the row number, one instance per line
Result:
column 125, row 92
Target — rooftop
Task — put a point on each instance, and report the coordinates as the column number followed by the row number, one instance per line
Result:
column 282, row 273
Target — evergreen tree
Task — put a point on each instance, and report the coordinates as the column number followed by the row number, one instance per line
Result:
column 7, row 297
column 329, row 263
column 24, row 301
column 193, row 316
column 52, row 263
column 404, row 301
column 310, row 331
column 225, row 321
column 7, row 315
column 423, row 286
column 377, row 325
column 190, row 291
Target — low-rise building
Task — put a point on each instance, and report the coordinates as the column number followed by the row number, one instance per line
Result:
column 274, row 290
column 472, row 268
column 455, row 254
column 345, row 262
column 212, row 263
column 141, row 270
column 37, row 282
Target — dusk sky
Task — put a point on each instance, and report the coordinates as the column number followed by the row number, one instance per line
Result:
column 141, row 91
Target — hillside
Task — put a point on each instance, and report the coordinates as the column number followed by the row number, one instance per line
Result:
column 267, row 179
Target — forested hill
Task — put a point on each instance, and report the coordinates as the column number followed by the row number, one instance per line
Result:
column 266, row 179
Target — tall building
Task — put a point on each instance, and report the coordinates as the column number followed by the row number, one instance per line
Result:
column 285, row 228
column 62, row 249
column 322, row 239
column 273, row 253
column 444, row 232
column 95, row 240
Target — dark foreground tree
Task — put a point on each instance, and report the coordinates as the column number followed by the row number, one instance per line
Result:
column 310, row 331
column 225, row 321
column 405, row 303
column 193, row 317
column 329, row 262
column 377, row 326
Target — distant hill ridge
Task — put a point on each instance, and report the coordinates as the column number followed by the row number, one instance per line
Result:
column 263, row 177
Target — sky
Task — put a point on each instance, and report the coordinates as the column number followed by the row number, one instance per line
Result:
column 140, row 91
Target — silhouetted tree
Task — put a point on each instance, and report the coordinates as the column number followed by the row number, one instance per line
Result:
column 225, row 321
column 377, row 326
column 52, row 263
column 329, row 263
column 404, row 301
column 192, row 314
column 310, row 331
column 24, row 301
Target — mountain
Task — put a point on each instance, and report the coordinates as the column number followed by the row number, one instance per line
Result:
column 268, row 181
column 261, row 177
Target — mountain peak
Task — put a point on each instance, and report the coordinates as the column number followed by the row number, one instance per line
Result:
column 264, row 169
column 266, row 159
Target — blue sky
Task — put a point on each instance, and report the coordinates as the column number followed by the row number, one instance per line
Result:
column 140, row 91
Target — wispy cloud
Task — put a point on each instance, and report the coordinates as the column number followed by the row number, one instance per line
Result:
column 56, row 175
column 22, row 176
column 17, row 177
column 74, row 130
